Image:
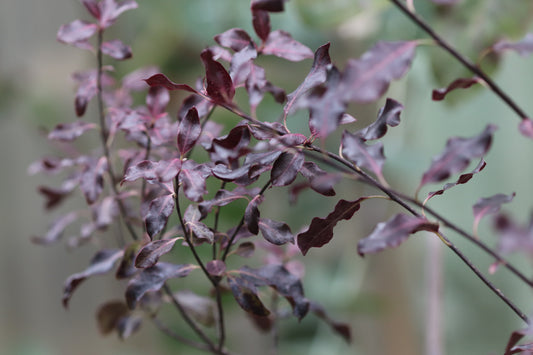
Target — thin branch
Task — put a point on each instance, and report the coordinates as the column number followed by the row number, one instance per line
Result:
column 462, row 59
column 165, row 329
column 221, row 325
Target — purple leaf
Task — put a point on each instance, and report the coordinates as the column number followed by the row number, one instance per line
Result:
column 201, row 309
column 162, row 171
column 281, row 44
column 54, row 196
column 257, row 85
column 198, row 229
column 162, row 80
column 216, row 267
column 101, row 263
column 463, row 179
column 392, row 233
column 316, row 76
column 526, row 128
column 319, row 180
column 127, row 268
column 457, row 155
column 261, row 23
column 230, row 148
column 461, row 83
column 109, row 314
column 234, row 38
column 355, row 149
column 513, row 237
column 268, row 5
column 245, row 249
column 110, row 10
column 222, row 198
column 77, row 33
column 389, row 115
column 70, row 131
column 367, row 78
column 56, row 229
column 219, row 86
column 342, row 329
column 158, row 213
column 241, row 66
column 523, row 47
column 116, row 49
column 189, row 131
column 286, row 168
column 157, row 101
column 149, row 254
column 193, row 181
column 92, row 180
column 245, row 293
column 277, row 233
column 489, row 205
column 152, row 279
column 104, row 212
column 320, row 232
column 251, row 214
column 92, row 7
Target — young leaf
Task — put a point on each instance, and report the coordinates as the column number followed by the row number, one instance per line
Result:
column 158, row 213
column 70, row 131
column 457, row 155
column 320, row 232
column 219, row 84
column 222, row 198
column 286, row 167
column 92, row 7
column 152, row 279
column 389, row 115
column 245, row 249
column 489, row 205
column 234, row 38
column 77, row 33
column 316, row 76
column 461, row 83
column 392, row 233
column 149, row 254
column 55, row 232
column 367, row 78
column 463, row 179
column 189, row 131
column 116, row 49
column 277, row 233
column 355, row 149
column 523, row 47
column 162, row 80
column 251, row 214
column 281, row 44
column 245, row 293
column 101, row 263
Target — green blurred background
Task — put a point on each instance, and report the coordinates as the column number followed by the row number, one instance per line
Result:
column 383, row 297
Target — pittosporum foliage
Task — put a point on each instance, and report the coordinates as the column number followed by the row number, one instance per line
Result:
column 166, row 195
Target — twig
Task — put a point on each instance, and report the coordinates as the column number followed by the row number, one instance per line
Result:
column 162, row 327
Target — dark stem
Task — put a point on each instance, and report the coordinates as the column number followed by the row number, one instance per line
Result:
column 462, row 59
column 165, row 329
column 221, row 325
column 215, row 226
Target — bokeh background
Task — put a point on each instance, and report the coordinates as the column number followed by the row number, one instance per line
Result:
column 384, row 297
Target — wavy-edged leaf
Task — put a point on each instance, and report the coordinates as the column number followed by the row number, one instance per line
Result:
column 319, row 180
column 261, row 23
column 235, row 38
column 245, row 293
column 92, row 180
column 394, row 232
column 77, row 33
column 281, row 44
column 153, row 278
column 356, row 150
column 67, row 132
column 219, row 86
column 457, row 155
column 366, row 79
column 317, row 75
column 523, row 47
column 388, row 115
column 461, row 83
column 230, row 148
column 251, row 214
column 116, row 49
column 149, row 254
column 489, row 205
column 320, row 231
column 277, row 233
column 56, row 229
column 463, row 179
column 286, row 167
column 100, row 264
column 158, row 213
column 162, row 80
column 189, row 131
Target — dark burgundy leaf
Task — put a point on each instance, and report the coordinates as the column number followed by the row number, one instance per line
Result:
column 457, row 155
column 152, row 279
column 198, row 229
column 261, row 23
column 275, row 130
column 127, row 326
column 251, row 214
column 367, row 78
column 281, row 44
column 326, row 106
column 101, row 263
column 157, row 101
column 515, row 337
column 222, row 198
column 189, row 131
column 116, row 49
column 110, row 10
column 149, row 254
column 342, row 329
column 56, row 229
column 389, row 115
column 317, row 75
column 245, row 249
column 202, row 105
column 355, row 149
column 319, row 180
column 489, row 205
column 126, row 268
column 268, row 5
column 523, row 47
column 167, row 170
column 70, row 131
column 219, row 86
column 277, row 233
column 193, row 181
column 234, row 38
column 216, row 267
column 158, row 213
column 461, row 83
column 162, row 80
column 526, row 128
column 392, row 233
column 320, row 232
column 92, row 180
column 230, row 148
column 77, row 33
column 286, row 167
column 463, row 179
column 109, row 314
column 245, row 294
column 201, row 309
